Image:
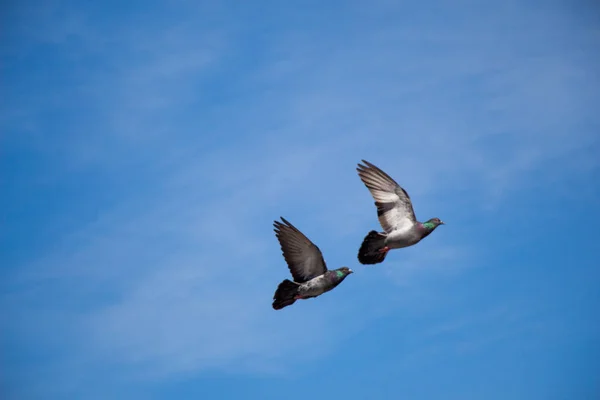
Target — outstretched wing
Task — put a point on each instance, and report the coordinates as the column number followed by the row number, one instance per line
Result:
column 394, row 208
column 303, row 257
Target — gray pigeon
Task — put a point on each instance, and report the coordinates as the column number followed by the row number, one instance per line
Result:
column 396, row 216
column 306, row 263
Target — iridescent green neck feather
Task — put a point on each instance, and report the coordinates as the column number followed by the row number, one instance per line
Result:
column 429, row 225
column 340, row 274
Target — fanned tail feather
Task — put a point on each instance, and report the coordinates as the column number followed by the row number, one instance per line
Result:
column 371, row 249
column 285, row 295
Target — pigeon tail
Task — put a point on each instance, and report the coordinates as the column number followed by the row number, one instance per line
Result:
column 285, row 295
column 373, row 249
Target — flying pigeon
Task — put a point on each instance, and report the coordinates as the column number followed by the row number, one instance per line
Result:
column 306, row 263
column 396, row 216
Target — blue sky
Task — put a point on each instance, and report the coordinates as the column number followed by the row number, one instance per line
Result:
column 148, row 146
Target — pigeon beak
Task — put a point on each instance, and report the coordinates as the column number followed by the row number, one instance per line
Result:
column 442, row 223
column 350, row 271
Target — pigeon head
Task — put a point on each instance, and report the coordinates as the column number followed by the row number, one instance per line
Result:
column 344, row 271
column 433, row 223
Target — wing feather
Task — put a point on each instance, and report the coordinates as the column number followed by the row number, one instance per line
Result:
column 303, row 257
column 394, row 207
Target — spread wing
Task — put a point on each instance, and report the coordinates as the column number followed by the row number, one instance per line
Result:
column 303, row 257
column 394, row 208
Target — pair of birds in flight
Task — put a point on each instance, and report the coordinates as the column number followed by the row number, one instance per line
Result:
column 305, row 260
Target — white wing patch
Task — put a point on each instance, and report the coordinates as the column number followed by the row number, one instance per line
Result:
column 384, row 197
column 394, row 211
column 395, row 220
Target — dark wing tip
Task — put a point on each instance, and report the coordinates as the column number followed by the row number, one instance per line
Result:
column 280, row 225
column 285, row 221
column 367, row 165
column 286, row 228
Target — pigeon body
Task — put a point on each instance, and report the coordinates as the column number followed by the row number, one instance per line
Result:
column 396, row 216
column 307, row 266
